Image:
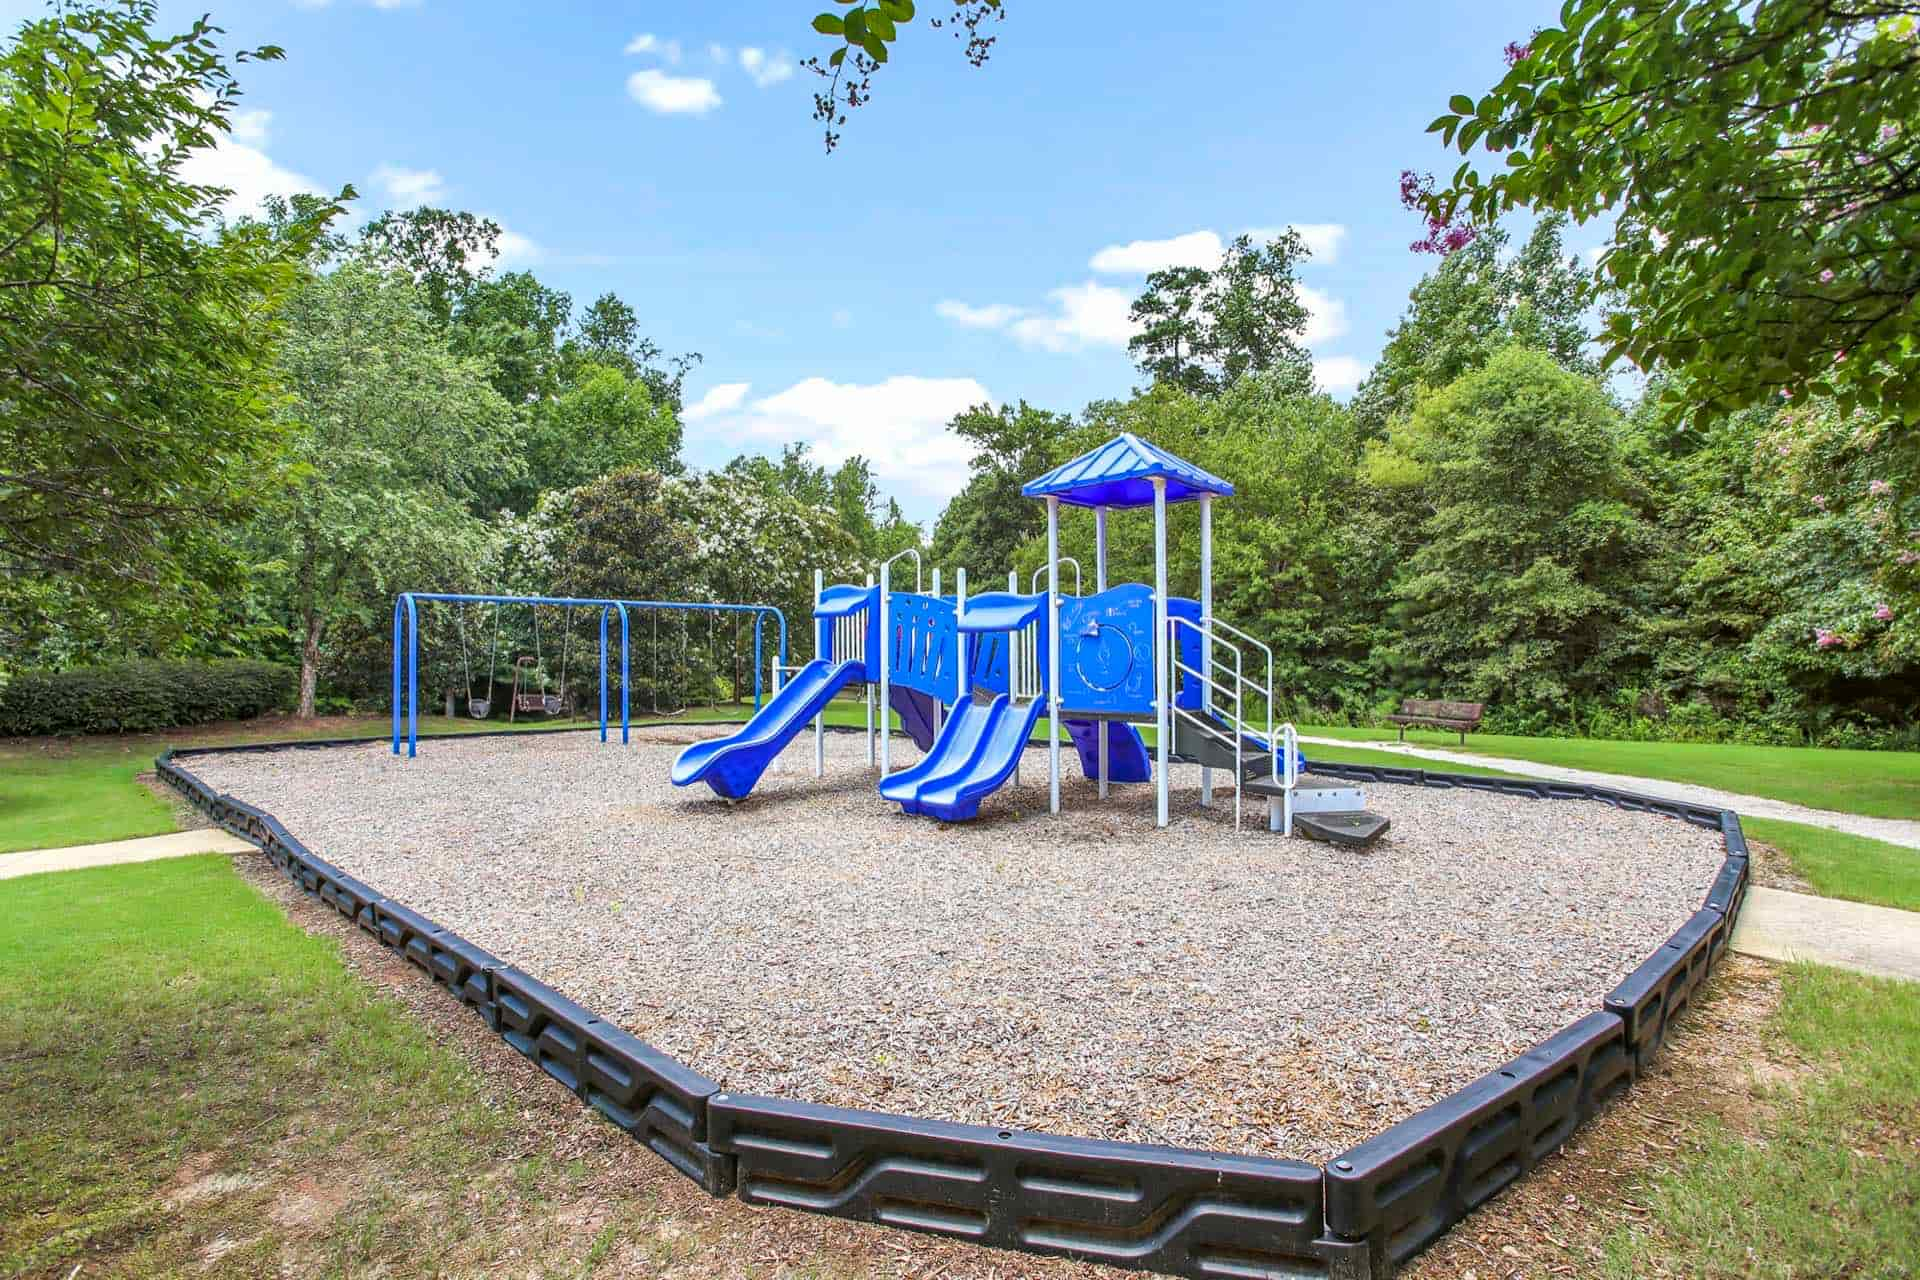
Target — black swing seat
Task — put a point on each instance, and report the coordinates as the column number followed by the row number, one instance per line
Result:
column 479, row 707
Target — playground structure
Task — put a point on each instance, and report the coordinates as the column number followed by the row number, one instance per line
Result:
column 406, row 654
column 971, row 676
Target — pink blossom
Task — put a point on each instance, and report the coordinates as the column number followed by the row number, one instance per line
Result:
column 1820, row 501
column 1786, row 393
column 1826, row 277
column 1824, row 638
column 1884, row 613
column 1878, row 487
column 1909, row 557
column 1785, row 450
column 1887, row 132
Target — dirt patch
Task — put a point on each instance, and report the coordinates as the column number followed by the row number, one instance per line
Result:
column 1774, row 870
column 1555, row 1221
column 308, row 1204
column 185, row 816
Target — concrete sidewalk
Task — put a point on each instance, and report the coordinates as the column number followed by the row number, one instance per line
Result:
column 1900, row 831
column 1777, row 925
column 178, row 845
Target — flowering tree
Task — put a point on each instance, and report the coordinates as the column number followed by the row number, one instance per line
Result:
column 1762, row 165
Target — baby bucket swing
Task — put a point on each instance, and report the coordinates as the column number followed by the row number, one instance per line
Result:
column 479, row 708
column 528, row 667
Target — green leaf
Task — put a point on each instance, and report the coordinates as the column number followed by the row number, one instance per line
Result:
column 839, row 56
column 876, row 48
column 1441, row 122
column 1460, row 104
column 828, row 24
column 857, row 26
column 898, row 10
column 879, row 24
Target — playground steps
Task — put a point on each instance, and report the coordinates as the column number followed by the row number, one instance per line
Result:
column 1335, row 812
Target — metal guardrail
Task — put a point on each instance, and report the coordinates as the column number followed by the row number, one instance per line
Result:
column 1283, row 751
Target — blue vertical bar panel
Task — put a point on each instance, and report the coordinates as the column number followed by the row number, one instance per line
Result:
column 603, row 673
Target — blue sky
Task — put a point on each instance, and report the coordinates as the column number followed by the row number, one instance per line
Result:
column 979, row 233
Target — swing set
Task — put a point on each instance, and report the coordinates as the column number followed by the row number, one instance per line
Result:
column 531, row 693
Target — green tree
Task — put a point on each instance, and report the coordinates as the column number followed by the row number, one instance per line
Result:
column 1202, row 331
column 988, row 521
column 605, row 421
column 393, row 436
column 136, row 393
column 517, row 323
column 1762, row 167
column 448, row 251
column 1523, row 588
column 1477, row 301
column 863, row 31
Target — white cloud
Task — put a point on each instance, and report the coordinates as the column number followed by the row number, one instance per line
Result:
column 719, row 53
column 1323, row 239
column 996, row 315
column 1139, row 257
column 673, row 95
column 1326, row 316
column 1594, row 254
column 516, row 249
column 899, row 424
column 411, row 187
column 647, row 42
column 1087, row 315
column 724, row 398
column 1338, row 373
column 765, row 69
column 239, row 162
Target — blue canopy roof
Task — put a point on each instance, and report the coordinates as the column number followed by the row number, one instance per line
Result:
column 1120, row 473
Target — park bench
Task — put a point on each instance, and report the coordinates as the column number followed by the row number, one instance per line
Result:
column 1462, row 717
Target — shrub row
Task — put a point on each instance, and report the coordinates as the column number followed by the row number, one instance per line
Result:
column 143, row 695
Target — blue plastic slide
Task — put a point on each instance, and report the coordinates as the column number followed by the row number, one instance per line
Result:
column 976, row 752
column 1126, row 752
column 731, row 765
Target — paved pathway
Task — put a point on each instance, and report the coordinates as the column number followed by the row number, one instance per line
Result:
column 1777, row 925
column 1900, row 831
column 178, row 845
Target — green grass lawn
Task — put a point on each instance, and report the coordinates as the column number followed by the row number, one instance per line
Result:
column 1838, row 865
column 1879, row 784
column 1831, row 1186
column 184, row 1067
column 60, row 793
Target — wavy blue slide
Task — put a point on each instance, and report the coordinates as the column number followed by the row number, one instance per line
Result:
column 1126, row 751
column 976, row 751
column 731, row 765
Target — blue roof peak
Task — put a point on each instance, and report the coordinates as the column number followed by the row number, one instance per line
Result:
column 1120, row 473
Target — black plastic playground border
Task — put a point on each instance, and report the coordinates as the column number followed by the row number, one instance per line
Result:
column 1208, row 1214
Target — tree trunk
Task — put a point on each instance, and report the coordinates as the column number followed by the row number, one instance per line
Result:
column 310, row 666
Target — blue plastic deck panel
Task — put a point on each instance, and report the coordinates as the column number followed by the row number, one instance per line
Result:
column 1003, row 611
column 922, row 647
column 1120, row 473
column 732, row 765
column 975, row 753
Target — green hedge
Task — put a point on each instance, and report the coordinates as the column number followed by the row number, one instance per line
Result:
column 139, row 696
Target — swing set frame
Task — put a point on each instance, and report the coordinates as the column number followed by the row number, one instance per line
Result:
column 406, row 648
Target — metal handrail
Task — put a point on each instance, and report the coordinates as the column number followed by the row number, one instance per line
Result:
column 1079, row 583
column 910, row 551
column 1284, row 771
